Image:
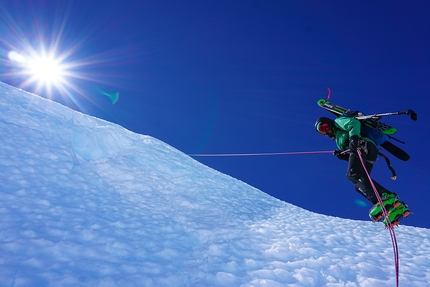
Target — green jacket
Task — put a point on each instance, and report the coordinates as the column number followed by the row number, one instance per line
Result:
column 344, row 128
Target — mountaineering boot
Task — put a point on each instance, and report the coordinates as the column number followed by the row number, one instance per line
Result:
column 389, row 200
column 396, row 214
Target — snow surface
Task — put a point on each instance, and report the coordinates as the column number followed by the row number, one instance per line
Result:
column 85, row 202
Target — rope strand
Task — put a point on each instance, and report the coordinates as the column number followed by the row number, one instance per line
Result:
column 259, row 154
column 390, row 228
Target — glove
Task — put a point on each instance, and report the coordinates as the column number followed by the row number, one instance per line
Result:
column 341, row 155
column 354, row 143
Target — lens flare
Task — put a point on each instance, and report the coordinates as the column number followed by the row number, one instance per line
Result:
column 360, row 203
column 113, row 97
column 16, row 57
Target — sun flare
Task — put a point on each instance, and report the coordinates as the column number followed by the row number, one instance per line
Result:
column 51, row 61
column 43, row 70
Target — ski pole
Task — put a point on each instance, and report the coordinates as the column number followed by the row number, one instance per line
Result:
column 378, row 116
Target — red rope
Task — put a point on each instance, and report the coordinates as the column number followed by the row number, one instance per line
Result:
column 390, row 228
column 260, row 154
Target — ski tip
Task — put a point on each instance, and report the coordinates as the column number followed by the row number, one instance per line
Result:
column 321, row 102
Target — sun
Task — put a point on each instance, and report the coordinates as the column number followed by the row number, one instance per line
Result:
column 45, row 70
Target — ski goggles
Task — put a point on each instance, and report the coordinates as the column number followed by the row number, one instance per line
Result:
column 322, row 128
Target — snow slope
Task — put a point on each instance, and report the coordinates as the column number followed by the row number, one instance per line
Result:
column 85, row 202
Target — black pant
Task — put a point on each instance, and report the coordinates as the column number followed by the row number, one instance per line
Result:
column 357, row 175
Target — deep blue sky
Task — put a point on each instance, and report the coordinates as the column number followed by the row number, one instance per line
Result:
column 244, row 77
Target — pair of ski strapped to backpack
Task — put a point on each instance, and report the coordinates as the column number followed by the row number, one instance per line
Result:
column 371, row 121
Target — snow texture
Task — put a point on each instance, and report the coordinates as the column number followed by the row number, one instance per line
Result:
column 85, row 202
